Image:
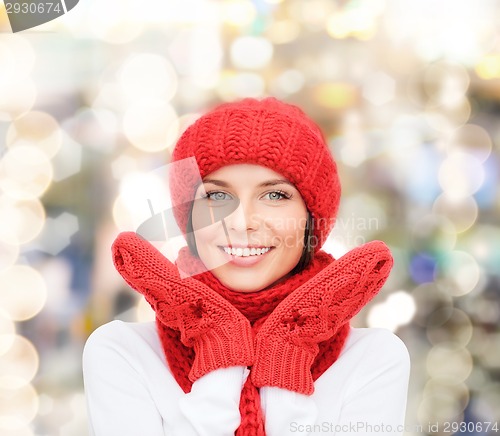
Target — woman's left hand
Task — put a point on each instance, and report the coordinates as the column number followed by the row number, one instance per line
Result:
column 287, row 343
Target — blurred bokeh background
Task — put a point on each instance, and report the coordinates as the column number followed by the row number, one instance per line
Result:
column 408, row 95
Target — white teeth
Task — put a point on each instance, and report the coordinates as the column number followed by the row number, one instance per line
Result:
column 245, row 252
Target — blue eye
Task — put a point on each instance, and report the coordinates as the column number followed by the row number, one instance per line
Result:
column 222, row 196
column 217, row 196
column 278, row 195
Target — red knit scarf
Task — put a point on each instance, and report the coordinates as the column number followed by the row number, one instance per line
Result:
column 256, row 306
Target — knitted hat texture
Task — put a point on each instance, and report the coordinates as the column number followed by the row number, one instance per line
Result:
column 267, row 132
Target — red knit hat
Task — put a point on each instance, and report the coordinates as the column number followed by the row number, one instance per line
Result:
column 265, row 132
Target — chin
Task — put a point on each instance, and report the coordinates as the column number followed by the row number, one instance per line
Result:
column 248, row 280
column 240, row 286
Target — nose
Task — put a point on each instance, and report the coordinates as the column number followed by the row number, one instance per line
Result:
column 242, row 219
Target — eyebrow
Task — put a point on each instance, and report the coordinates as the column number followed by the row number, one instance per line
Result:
column 271, row 182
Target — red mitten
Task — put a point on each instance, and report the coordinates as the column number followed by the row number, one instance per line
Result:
column 220, row 335
column 287, row 343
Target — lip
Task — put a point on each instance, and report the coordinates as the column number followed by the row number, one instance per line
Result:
column 244, row 261
column 246, row 246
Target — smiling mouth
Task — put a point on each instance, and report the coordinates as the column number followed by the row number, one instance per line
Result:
column 246, row 252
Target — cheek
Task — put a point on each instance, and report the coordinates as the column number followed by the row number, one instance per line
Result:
column 205, row 239
column 202, row 232
column 204, row 215
column 288, row 223
column 288, row 232
column 201, row 218
column 205, row 234
column 295, row 230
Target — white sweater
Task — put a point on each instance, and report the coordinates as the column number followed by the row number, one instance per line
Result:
column 131, row 391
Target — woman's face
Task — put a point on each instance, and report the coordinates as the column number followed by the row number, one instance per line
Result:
column 257, row 235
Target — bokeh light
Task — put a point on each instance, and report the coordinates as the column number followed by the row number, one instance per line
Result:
column 351, row 22
column 122, row 216
column 288, row 82
column 22, row 292
column 442, row 402
column 239, row 85
column 473, row 140
column 461, row 175
column 58, row 232
column 137, row 188
column 17, row 57
column 198, row 54
column 18, row 364
column 123, row 165
column 116, row 22
column 237, row 12
column 147, row 76
column 36, row 129
column 9, row 249
column 430, row 298
column 483, row 242
column 449, row 325
column 20, row 221
column 151, row 125
column 489, row 354
column 489, row 67
column 24, row 430
column 25, row 172
column 423, row 267
column 433, row 233
column 448, row 363
column 96, row 128
column 379, row 88
column 7, row 332
column 407, row 96
column 461, row 211
column 336, row 95
column 18, row 408
column 16, row 98
column 461, row 271
column 250, row 52
column 139, row 192
column 17, row 90
column 445, row 83
column 445, row 119
column 283, row 31
column 397, row 310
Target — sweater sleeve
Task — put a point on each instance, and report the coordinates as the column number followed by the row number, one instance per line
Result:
column 375, row 401
column 284, row 411
column 129, row 390
column 364, row 392
column 118, row 400
column 212, row 406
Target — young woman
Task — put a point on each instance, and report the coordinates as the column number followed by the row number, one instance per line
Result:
column 252, row 332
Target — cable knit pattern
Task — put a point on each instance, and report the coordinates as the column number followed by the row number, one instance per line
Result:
column 264, row 132
column 287, row 343
column 219, row 334
column 299, row 325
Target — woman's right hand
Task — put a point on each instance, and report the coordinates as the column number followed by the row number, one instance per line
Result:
column 219, row 333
